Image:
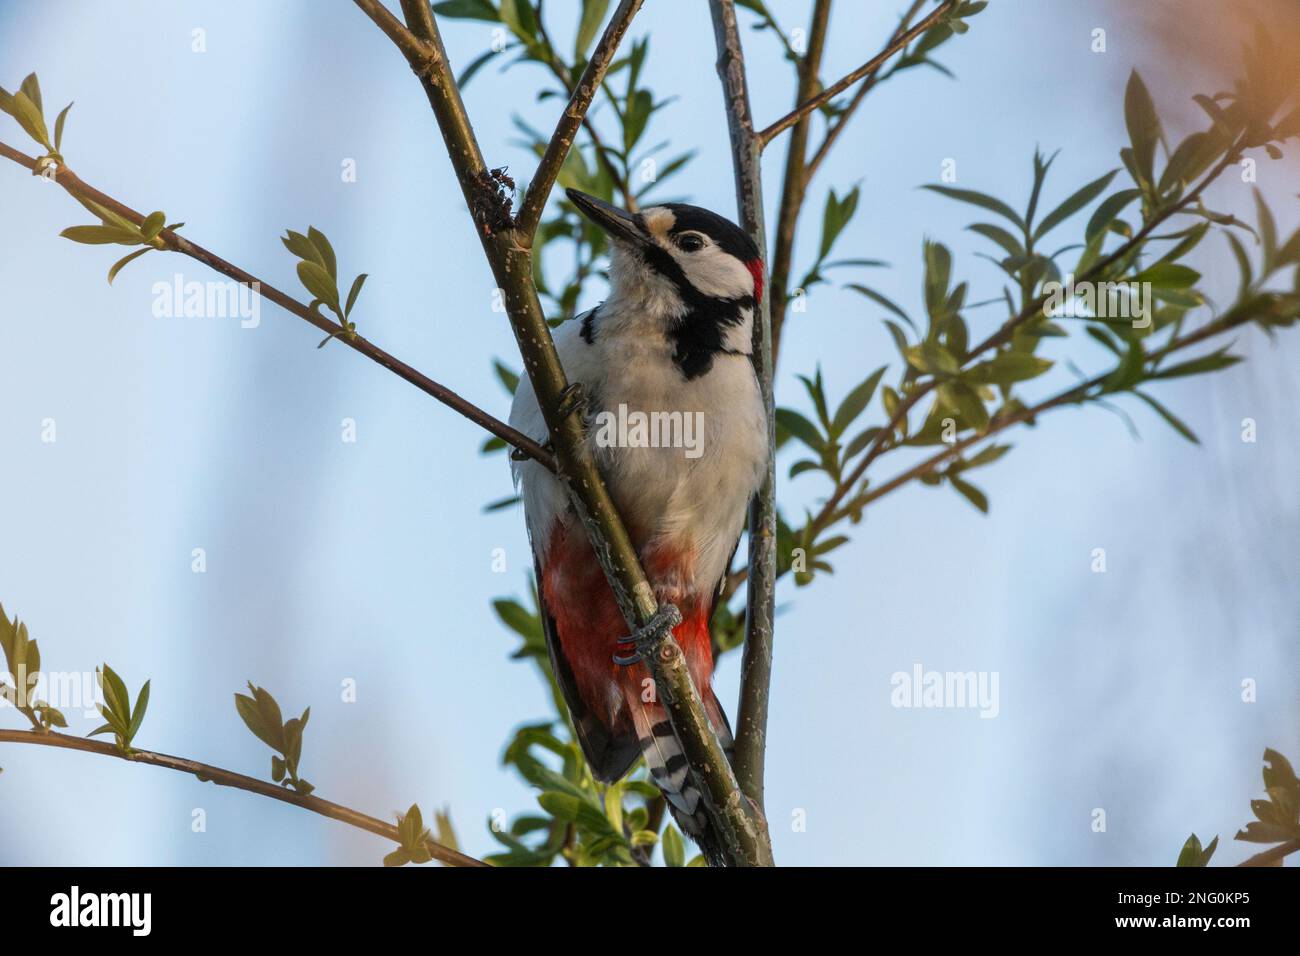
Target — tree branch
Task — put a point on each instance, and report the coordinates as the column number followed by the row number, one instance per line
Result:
column 835, row 89
column 539, row 189
column 228, row 778
column 756, row 662
column 412, row 47
column 742, row 833
column 561, row 72
column 175, row 242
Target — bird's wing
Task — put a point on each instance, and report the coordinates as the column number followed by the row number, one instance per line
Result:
column 609, row 754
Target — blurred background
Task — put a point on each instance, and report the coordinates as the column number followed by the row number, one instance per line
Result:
column 371, row 561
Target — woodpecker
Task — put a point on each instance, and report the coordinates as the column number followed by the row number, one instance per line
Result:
column 674, row 338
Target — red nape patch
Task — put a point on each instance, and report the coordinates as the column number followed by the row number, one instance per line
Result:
column 755, row 267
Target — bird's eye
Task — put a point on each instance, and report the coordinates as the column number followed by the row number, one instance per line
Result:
column 690, row 242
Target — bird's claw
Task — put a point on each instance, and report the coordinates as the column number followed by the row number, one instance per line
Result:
column 664, row 619
column 571, row 399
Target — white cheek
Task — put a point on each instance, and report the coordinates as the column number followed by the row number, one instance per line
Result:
column 715, row 273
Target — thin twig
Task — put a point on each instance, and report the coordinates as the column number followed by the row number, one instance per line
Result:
column 756, row 660
column 228, row 778
column 562, row 74
column 411, row 46
column 539, row 189
column 838, row 87
column 175, row 242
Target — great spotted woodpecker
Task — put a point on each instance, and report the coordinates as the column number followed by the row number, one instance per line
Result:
column 670, row 345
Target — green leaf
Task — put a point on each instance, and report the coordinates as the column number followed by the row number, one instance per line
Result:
column 933, row 358
column 1009, row 243
column 1168, row 275
column 509, row 380
column 475, row 65
column 639, row 107
column 985, row 456
column 30, row 119
column 1108, row 211
column 318, row 282
column 253, row 717
column 115, row 694
column 137, row 716
column 58, row 128
column 1174, row 421
column 102, row 235
column 1206, row 363
column 855, row 402
column 575, row 809
column 302, row 247
column 800, row 428
column 1143, row 125
column 593, row 15
column 1278, row 772
column 355, row 291
column 153, row 224
column 1192, row 157
column 1193, row 854
column 970, row 493
column 1267, row 230
column 1009, row 367
column 861, row 442
column 467, row 10
column 31, row 88
column 514, row 616
column 982, row 200
column 938, row 274
column 961, row 398
column 520, row 16
column 117, row 266
column 674, row 847
column 1072, row 205
column 1129, row 371
column 835, row 216
column 326, row 251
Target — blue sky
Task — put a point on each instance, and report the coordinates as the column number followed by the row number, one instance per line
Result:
column 371, row 561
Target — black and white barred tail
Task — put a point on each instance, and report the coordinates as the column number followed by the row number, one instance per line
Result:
column 669, row 770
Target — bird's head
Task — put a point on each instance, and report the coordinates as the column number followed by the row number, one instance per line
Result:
column 704, row 262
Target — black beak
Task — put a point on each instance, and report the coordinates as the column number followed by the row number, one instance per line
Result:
column 615, row 222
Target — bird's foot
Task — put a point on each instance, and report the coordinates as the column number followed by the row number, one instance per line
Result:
column 665, row 619
column 572, row 399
